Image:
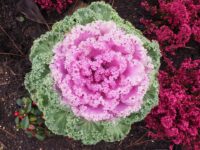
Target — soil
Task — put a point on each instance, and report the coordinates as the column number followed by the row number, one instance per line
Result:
column 16, row 37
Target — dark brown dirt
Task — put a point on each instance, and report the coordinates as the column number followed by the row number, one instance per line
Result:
column 18, row 36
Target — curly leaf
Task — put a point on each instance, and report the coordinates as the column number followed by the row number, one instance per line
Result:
column 39, row 83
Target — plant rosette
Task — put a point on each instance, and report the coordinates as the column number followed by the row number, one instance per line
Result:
column 30, row 119
column 93, row 75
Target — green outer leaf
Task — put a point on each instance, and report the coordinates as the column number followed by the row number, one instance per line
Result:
column 29, row 134
column 24, row 123
column 32, row 118
column 40, row 137
column 20, row 102
column 29, row 107
column 17, row 121
column 39, row 83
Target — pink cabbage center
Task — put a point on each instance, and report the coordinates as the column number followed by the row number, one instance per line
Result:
column 101, row 72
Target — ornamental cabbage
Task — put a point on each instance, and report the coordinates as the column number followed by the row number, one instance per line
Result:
column 94, row 75
column 100, row 71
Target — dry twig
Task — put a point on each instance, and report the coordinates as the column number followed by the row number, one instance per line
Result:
column 138, row 141
column 188, row 47
column 7, row 132
column 2, row 146
column 11, row 54
column 113, row 1
column 13, row 42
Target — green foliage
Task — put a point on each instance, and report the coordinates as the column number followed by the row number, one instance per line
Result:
column 30, row 119
column 59, row 118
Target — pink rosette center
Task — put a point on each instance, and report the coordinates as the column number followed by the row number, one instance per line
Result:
column 101, row 72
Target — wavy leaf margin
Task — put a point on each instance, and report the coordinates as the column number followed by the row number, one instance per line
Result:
column 39, row 83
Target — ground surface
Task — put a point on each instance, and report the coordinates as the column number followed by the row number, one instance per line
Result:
column 18, row 35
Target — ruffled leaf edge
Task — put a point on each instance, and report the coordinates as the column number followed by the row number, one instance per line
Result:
column 39, row 83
